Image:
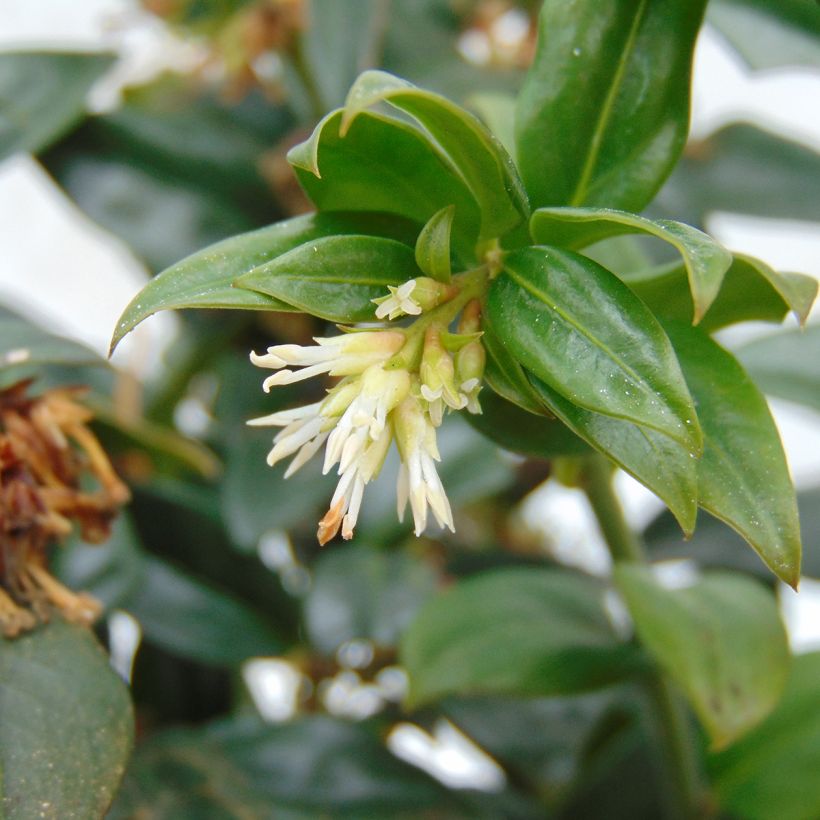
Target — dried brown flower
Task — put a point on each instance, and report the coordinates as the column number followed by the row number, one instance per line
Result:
column 49, row 459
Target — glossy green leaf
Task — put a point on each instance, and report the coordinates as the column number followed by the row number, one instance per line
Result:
column 751, row 291
column 654, row 459
column 505, row 375
column 498, row 112
column 205, row 279
column 720, row 639
column 743, row 478
column 519, row 631
column 770, row 34
column 315, row 766
column 382, row 164
column 716, row 545
column 335, row 277
column 42, row 95
column 604, row 112
column 705, row 260
column 729, row 170
column 578, row 328
column 433, row 245
column 362, row 593
column 478, row 156
column 67, row 725
column 786, row 365
column 772, row 771
column 522, row 432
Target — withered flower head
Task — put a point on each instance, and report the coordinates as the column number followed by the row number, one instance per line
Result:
column 49, row 460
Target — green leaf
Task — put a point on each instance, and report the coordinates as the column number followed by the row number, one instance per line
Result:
column 205, row 279
column 786, row 365
column 342, row 39
column 730, row 170
column 505, row 375
column 256, row 498
column 477, row 155
column 520, row 631
column 654, row 459
column 433, row 245
column 705, row 260
column 67, row 725
column 315, row 766
column 362, row 593
column 193, row 619
column 770, row 34
column 721, row 640
column 178, row 611
column 751, row 290
column 497, row 110
column 25, row 348
column 335, row 277
column 522, row 432
column 743, row 478
column 772, row 771
column 42, row 95
column 382, row 164
column 604, row 112
column 578, row 328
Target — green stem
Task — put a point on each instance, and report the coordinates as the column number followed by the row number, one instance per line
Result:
column 682, row 773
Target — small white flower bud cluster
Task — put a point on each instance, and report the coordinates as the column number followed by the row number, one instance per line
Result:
column 373, row 404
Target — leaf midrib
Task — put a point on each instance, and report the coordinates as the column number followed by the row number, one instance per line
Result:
column 606, row 111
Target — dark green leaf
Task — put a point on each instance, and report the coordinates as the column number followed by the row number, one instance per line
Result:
column 505, row 375
column 205, row 279
column 382, row 164
column 729, row 170
column 721, row 640
column 195, row 620
column 67, row 725
column 362, row 593
column 312, row 767
column 257, row 498
column 183, row 614
column 704, row 259
column 772, row 772
column 578, row 328
column 433, row 245
column 522, row 432
column 743, row 478
column 751, row 290
column 786, row 365
column 654, row 459
column 716, row 545
column 478, row 156
column 335, row 277
column 42, row 95
column 604, row 112
column 514, row 631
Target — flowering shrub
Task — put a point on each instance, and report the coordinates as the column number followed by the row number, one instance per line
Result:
column 507, row 274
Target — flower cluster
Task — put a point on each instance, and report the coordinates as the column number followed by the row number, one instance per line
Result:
column 394, row 385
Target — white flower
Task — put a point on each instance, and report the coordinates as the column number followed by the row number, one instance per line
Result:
column 418, row 480
column 398, row 303
column 344, row 355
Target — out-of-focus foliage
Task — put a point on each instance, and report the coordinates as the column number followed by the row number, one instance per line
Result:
column 216, row 558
